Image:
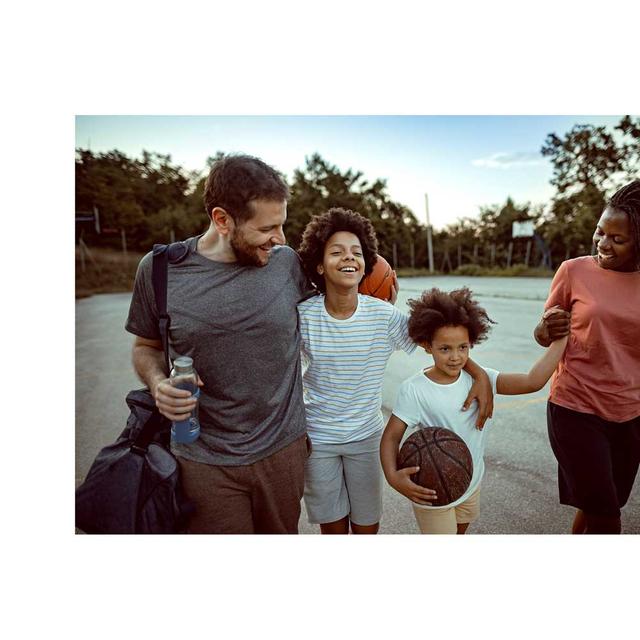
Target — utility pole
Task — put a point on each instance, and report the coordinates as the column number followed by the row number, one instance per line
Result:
column 429, row 234
column 96, row 217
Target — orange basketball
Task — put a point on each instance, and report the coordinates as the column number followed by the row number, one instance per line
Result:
column 378, row 282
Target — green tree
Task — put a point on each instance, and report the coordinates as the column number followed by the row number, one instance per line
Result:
column 569, row 226
column 496, row 221
column 590, row 156
column 464, row 233
column 495, row 227
column 134, row 195
column 630, row 146
column 319, row 185
column 151, row 197
column 589, row 164
column 159, row 184
column 108, row 182
column 586, row 156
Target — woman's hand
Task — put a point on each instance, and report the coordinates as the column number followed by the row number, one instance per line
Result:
column 554, row 324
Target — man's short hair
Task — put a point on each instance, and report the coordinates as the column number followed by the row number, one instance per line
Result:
column 235, row 180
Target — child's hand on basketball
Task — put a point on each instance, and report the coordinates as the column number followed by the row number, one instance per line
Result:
column 403, row 484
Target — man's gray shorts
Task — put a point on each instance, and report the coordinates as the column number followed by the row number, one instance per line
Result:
column 344, row 479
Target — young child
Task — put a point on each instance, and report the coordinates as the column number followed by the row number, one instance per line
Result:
column 347, row 339
column 447, row 326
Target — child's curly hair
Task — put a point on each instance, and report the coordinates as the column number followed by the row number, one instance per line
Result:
column 322, row 227
column 435, row 309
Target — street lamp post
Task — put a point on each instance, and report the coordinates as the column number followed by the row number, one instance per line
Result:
column 429, row 234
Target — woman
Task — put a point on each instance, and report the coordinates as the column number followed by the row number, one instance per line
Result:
column 347, row 339
column 593, row 413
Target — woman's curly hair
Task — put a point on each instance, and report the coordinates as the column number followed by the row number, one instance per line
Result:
column 435, row 309
column 321, row 227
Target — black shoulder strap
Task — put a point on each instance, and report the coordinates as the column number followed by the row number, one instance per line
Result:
column 162, row 255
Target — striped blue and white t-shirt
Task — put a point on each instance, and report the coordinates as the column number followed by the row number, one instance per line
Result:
column 345, row 361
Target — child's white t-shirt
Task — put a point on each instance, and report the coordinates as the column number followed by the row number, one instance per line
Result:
column 346, row 363
column 421, row 402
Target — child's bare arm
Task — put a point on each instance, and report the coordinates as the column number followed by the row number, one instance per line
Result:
column 399, row 479
column 516, row 383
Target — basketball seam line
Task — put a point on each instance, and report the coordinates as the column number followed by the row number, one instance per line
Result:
column 380, row 285
column 386, row 275
column 446, row 453
column 435, row 466
column 405, row 458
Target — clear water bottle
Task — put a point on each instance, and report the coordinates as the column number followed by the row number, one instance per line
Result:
column 184, row 376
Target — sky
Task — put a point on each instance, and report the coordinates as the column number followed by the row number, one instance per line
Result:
column 461, row 162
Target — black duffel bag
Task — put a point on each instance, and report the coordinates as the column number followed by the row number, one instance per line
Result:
column 133, row 484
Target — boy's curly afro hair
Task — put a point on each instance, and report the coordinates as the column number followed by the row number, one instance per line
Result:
column 435, row 309
column 322, row 227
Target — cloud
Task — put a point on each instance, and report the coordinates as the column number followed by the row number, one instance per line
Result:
column 504, row 160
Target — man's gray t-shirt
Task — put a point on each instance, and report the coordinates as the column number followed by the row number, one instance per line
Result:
column 240, row 326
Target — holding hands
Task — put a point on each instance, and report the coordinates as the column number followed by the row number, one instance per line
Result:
column 554, row 324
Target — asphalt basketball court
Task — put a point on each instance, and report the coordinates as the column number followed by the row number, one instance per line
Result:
column 519, row 493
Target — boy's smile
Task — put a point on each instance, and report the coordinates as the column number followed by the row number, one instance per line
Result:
column 343, row 263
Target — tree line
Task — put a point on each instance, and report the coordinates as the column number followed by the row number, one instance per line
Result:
column 153, row 200
column 589, row 164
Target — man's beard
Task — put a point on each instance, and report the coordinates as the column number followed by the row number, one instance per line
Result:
column 246, row 255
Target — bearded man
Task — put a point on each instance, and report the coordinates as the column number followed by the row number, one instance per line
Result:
column 232, row 302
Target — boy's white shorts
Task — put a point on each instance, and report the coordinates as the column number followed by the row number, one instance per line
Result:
column 344, row 479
